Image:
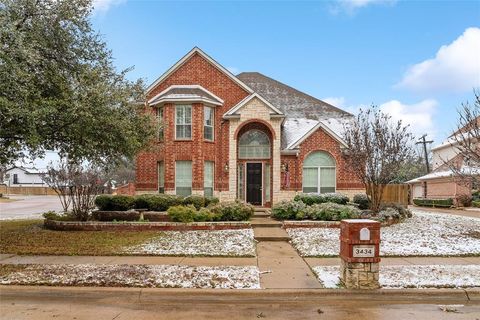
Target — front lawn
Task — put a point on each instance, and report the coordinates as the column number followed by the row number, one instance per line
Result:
column 143, row 276
column 425, row 234
column 30, row 237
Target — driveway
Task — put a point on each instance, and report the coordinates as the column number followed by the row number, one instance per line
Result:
column 28, row 207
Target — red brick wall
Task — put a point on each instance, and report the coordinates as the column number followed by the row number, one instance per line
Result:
column 319, row 141
column 195, row 71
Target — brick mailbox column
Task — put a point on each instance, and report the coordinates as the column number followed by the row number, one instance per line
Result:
column 359, row 253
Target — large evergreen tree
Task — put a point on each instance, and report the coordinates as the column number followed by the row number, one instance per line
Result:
column 59, row 89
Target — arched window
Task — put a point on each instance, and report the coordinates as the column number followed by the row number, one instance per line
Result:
column 319, row 173
column 254, row 144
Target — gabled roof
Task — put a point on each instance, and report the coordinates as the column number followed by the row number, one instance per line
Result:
column 292, row 102
column 28, row 170
column 192, row 93
column 297, row 130
column 446, row 174
column 238, row 106
column 190, row 54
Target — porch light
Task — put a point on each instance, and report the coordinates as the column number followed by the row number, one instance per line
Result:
column 284, row 167
column 225, row 168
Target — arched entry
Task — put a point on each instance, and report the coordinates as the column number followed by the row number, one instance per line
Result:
column 254, row 154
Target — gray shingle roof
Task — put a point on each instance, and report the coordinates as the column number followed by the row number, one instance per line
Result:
column 186, row 93
column 292, row 102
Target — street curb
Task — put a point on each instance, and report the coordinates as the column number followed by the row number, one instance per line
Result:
column 153, row 294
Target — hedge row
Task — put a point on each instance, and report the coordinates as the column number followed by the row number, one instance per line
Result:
column 225, row 211
column 151, row 202
column 329, row 211
column 312, row 198
column 445, row 203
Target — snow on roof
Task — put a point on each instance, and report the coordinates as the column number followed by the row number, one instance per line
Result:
column 337, row 125
column 294, row 129
column 29, row 170
column 445, row 174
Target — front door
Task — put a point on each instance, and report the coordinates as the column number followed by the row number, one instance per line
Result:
column 254, row 183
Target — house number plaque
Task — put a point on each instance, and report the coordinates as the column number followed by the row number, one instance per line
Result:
column 364, row 251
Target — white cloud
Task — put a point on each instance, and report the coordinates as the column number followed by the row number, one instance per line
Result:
column 455, row 68
column 351, row 6
column 338, row 102
column 104, row 5
column 418, row 115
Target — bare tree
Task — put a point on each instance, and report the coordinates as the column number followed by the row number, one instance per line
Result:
column 76, row 185
column 466, row 141
column 377, row 149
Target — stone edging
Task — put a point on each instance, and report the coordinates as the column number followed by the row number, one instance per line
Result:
column 143, row 226
column 290, row 224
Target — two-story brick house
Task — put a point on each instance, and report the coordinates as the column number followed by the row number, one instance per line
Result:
column 243, row 137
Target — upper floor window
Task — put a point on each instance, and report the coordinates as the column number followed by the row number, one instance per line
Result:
column 254, row 144
column 160, row 123
column 183, row 122
column 208, row 120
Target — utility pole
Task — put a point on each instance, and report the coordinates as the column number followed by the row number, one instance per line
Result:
column 424, row 142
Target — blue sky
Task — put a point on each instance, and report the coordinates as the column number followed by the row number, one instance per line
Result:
column 352, row 53
column 418, row 60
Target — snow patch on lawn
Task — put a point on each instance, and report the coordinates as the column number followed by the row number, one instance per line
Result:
column 205, row 243
column 425, row 234
column 154, row 276
column 398, row 277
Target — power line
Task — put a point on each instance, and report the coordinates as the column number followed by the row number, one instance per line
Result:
column 424, row 143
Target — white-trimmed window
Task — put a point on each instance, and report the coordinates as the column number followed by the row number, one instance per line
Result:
column 208, row 176
column 183, row 178
column 254, row 144
column 161, row 177
column 183, row 122
column 160, row 123
column 319, row 173
column 241, row 182
column 208, row 121
column 267, row 183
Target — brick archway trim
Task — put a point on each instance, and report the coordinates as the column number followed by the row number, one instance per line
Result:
column 265, row 123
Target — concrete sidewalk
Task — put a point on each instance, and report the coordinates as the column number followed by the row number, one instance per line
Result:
column 457, row 212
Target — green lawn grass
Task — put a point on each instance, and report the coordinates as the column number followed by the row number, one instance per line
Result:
column 29, row 237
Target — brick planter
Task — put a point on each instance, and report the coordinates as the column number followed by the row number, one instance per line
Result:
column 142, row 226
column 324, row 224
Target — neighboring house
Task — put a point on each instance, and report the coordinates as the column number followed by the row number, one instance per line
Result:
column 243, row 137
column 442, row 182
column 24, row 177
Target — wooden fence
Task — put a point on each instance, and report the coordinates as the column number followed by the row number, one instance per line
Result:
column 36, row 191
column 396, row 193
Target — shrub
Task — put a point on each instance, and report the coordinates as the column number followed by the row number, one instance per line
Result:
column 464, row 200
column 103, row 201
column 392, row 212
column 476, row 204
column 204, row 214
column 361, row 199
column 311, row 198
column 143, row 201
column 232, row 211
column 115, row 203
column 182, row 213
column 211, row 201
column 116, row 215
column 195, row 200
column 338, row 198
column 330, row 211
column 163, row 202
column 446, row 203
column 52, row 215
column 476, row 195
column 289, row 210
